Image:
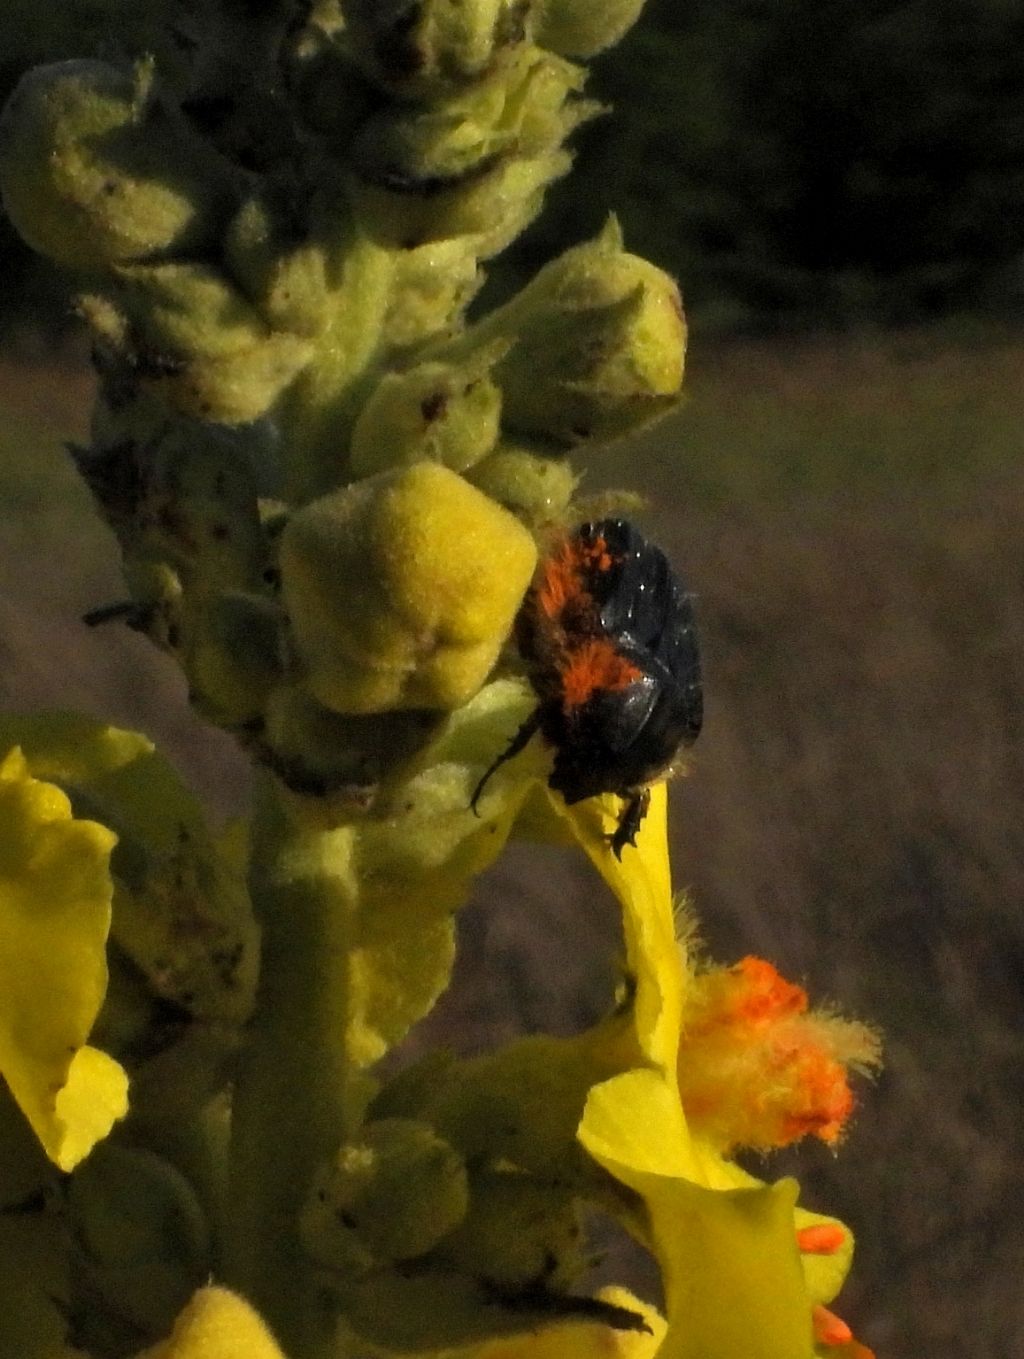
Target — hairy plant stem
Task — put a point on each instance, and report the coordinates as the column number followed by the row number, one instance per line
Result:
column 296, row 1093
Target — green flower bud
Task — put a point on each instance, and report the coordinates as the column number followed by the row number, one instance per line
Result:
column 390, row 1195
column 418, row 49
column 194, row 339
column 337, row 761
column 143, row 1244
column 433, row 285
column 402, row 589
column 598, row 344
column 517, row 1231
column 582, row 28
column 284, row 274
column 233, row 656
column 475, row 165
column 536, row 487
column 96, row 169
column 187, row 495
column 432, row 413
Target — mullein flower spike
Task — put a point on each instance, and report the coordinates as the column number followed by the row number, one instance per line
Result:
column 331, row 490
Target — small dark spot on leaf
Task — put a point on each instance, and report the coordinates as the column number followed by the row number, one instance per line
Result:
column 434, row 406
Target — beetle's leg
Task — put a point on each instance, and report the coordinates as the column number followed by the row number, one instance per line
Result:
column 630, row 820
column 519, row 742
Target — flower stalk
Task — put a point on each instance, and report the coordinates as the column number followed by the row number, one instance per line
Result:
column 295, row 1090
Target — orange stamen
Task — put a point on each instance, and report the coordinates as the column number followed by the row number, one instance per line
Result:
column 823, row 1238
column 767, row 995
column 828, row 1328
column 595, row 665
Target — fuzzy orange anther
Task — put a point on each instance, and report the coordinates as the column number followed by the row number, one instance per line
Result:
column 830, row 1329
column 822, row 1238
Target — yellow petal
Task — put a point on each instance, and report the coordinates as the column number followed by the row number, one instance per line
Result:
column 180, row 906
column 55, row 902
column 824, row 1270
column 217, row 1324
column 642, row 883
column 730, row 1270
column 734, row 1277
column 94, row 1097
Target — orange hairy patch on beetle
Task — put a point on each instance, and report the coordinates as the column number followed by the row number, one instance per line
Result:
column 594, row 667
column 563, row 574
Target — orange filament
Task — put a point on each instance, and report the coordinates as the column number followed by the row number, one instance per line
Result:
column 828, row 1328
column 823, row 1238
column 822, row 1099
column 596, row 555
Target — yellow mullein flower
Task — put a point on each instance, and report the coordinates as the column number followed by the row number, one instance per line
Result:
column 733, row 1264
column 55, row 905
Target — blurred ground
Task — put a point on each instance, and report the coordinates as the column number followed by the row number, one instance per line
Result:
column 850, row 515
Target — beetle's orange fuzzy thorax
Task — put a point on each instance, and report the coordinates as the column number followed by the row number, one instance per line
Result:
column 564, row 573
column 592, row 668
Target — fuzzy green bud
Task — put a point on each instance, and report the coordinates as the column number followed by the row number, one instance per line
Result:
column 96, row 169
column 402, row 589
column 582, row 28
column 433, row 286
column 517, row 1230
column 186, row 495
column 143, row 1243
column 338, row 760
column 234, row 654
column 419, row 48
column 598, row 342
column 431, row 413
column 390, row 1195
column 536, row 487
column 476, row 164
column 284, row 274
column 195, row 340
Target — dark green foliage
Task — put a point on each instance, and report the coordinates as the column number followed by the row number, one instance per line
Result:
column 812, row 160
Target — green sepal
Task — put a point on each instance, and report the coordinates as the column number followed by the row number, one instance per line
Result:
column 142, row 1245
column 437, row 1308
column 34, row 1244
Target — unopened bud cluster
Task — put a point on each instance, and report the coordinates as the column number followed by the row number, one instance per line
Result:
column 295, row 422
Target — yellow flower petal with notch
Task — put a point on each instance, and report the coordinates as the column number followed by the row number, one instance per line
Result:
column 55, row 904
